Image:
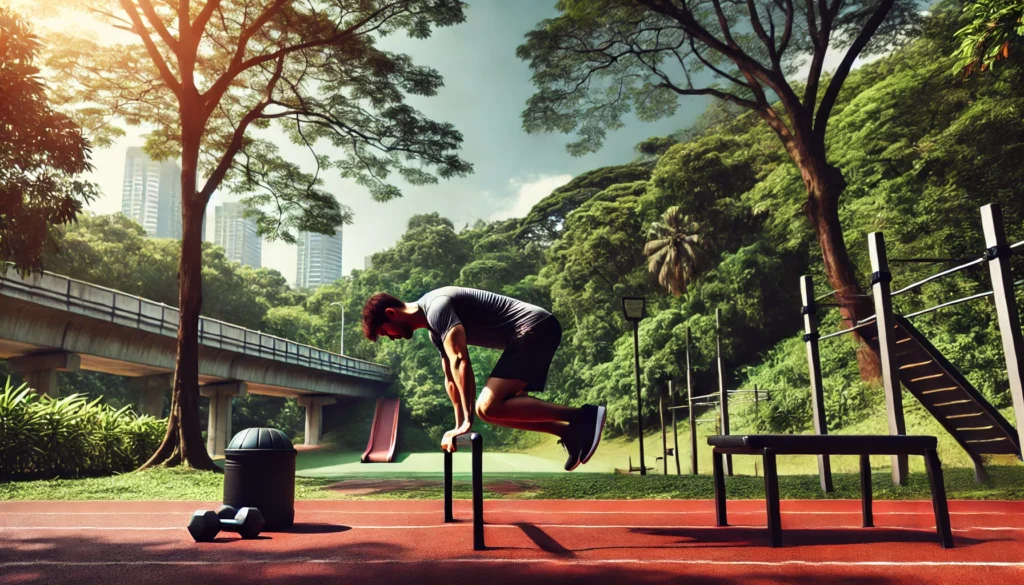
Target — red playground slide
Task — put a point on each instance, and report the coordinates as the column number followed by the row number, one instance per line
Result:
column 383, row 433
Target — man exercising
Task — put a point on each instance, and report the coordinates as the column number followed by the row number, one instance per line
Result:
column 456, row 317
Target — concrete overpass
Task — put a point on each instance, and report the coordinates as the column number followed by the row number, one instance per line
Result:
column 51, row 323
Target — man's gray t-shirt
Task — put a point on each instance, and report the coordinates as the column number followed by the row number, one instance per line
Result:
column 490, row 320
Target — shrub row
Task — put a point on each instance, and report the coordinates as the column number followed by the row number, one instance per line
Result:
column 43, row 437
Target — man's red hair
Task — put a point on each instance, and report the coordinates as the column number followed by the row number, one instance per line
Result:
column 373, row 313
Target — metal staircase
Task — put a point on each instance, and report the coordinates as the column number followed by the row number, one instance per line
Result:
column 975, row 424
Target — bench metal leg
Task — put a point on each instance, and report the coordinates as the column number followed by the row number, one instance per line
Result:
column 720, row 515
column 448, row 488
column 478, row 492
column 771, row 496
column 934, row 467
column 865, row 491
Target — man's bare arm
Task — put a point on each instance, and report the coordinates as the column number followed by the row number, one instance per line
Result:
column 462, row 372
column 453, row 391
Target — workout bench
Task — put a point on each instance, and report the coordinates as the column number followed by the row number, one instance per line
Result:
column 768, row 446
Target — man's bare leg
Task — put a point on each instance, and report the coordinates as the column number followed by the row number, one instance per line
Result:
column 504, row 400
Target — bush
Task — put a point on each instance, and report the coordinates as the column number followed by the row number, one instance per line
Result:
column 43, row 437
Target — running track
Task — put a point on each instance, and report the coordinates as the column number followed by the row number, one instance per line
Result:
column 534, row 542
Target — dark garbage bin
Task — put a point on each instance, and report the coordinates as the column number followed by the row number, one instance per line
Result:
column 259, row 472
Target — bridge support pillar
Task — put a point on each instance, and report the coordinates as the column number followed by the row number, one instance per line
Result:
column 152, row 390
column 218, row 430
column 314, row 417
column 40, row 371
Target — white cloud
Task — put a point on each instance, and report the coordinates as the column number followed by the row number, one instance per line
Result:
column 528, row 193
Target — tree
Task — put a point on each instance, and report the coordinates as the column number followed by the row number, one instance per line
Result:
column 209, row 79
column 599, row 59
column 991, row 26
column 546, row 219
column 41, row 153
column 674, row 250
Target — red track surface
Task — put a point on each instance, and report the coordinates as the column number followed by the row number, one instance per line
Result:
column 536, row 542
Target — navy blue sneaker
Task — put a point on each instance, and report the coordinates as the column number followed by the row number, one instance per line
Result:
column 572, row 447
column 588, row 428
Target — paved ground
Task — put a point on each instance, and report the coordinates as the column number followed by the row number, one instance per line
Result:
column 537, row 542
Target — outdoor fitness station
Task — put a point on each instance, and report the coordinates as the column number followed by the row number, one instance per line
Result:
column 720, row 401
column 909, row 358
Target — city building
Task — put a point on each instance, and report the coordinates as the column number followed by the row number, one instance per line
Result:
column 368, row 262
column 151, row 194
column 319, row 259
column 237, row 234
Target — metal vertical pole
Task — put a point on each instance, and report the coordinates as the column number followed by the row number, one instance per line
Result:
column 639, row 405
column 343, row 330
column 1006, row 308
column 675, row 428
column 478, row 491
column 723, row 394
column 448, row 487
column 689, row 400
column 814, row 367
column 886, row 325
column 664, row 438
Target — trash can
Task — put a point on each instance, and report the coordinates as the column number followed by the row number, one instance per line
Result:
column 259, row 472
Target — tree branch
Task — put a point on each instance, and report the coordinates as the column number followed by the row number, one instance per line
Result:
column 693, row 48
column 787, row 33
column 158, row 25
column 154, row 53
column 769, row 43
column 236, row 139
column 828, row 101
column 237, row 66
column 205, row 14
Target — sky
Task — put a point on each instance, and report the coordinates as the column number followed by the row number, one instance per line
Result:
column 486, row 88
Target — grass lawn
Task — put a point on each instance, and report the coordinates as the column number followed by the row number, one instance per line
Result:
column 537, row 473
column 181, row 484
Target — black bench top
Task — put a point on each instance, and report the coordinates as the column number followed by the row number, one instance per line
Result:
column 825, row 444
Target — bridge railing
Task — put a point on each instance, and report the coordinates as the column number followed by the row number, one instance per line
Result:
column 83, row 298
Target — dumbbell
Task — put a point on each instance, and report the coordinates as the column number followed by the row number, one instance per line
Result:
column 205, row 524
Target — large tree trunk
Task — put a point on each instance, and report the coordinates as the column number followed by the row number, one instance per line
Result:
column 183, row 443
column 825, row 184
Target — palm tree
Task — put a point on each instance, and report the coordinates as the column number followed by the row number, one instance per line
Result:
column 675, row 250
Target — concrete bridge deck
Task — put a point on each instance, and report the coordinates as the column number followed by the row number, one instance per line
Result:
column 51, row 323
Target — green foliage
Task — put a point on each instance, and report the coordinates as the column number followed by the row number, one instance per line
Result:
column 921, row 152
column 254, row 410
column 675, row 250
column 42, row 152
column 113, row 251
column 42, row 437
column 992, row 25
column 546, row 220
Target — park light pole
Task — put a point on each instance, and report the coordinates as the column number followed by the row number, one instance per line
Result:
column 635, row 309
column 342, row 352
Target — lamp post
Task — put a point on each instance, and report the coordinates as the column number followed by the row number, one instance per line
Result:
column 342, row 352
column 635, row 309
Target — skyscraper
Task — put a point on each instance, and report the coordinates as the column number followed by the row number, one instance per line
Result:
column 151, row 194
column 319, row 259
column 237, row 234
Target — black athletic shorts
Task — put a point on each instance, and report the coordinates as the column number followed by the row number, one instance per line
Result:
column 528, row 356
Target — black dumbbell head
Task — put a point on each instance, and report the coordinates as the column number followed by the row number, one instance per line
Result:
column 204, row 525
column 250, row 522
column 226, row 512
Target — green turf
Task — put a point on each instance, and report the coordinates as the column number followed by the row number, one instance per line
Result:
column 340, row 465
column 182, row 484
